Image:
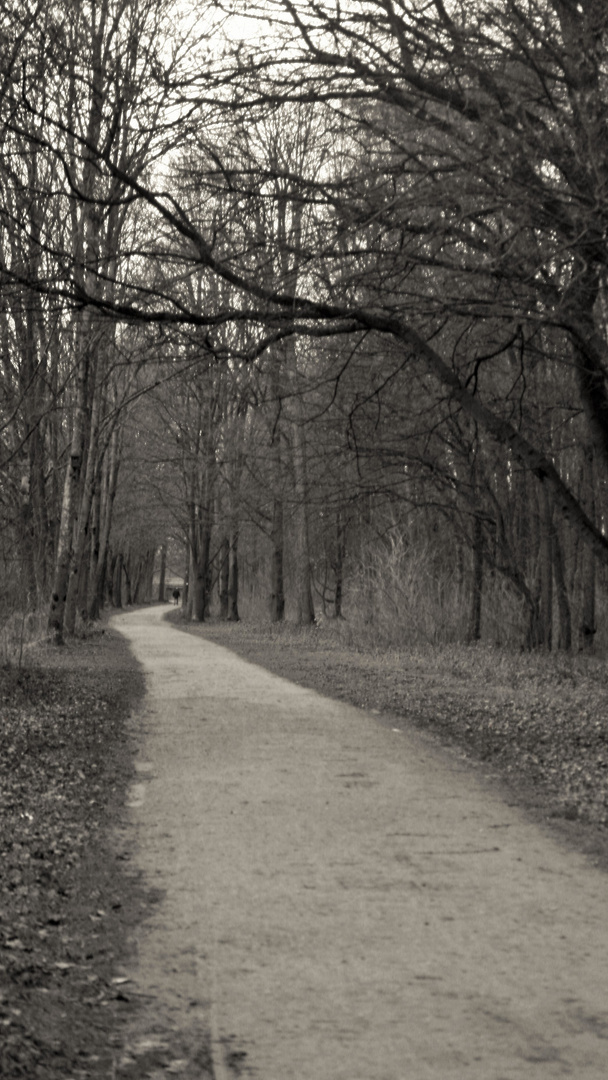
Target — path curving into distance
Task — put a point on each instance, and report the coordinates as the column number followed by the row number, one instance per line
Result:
column 341, row 900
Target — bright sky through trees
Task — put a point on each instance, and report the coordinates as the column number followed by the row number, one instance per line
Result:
column 377, row 233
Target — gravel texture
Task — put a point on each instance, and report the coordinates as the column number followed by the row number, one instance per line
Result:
column 540, row 722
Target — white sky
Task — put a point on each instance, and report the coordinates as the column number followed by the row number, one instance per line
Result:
column 238, row 27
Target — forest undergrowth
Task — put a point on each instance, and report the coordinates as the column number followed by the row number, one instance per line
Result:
column 67, row 899
column 537, row 720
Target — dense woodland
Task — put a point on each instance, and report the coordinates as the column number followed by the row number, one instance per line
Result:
column 308, row 308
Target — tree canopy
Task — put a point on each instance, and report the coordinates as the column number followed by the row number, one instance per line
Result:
column 378, row 231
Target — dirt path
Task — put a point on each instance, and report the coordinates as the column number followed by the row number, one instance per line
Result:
column 343, row 901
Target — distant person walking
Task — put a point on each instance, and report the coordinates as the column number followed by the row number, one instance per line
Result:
column 176, row 596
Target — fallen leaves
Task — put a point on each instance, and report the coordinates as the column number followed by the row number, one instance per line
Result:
column 62, row 765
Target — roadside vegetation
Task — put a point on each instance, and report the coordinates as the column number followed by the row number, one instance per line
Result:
column 66, row 897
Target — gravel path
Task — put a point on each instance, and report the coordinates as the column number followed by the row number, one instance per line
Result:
column 341, row 900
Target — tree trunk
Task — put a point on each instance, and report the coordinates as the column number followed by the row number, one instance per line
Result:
column 128, row 590
column 339, row 564
column 564, row 640
column 197, row 589
column 95, row 539
column 224, row 577
column 233, row 586
column 82, row 523
column 534, row 635
column 305, row 612
column 587, row 628
column 109, row 483
column 83, row 586
column 189, row 591
column 69, row 510
column 277, row 526
column 136, row 564
column 148, row 576
column 474, row 633
column 162, row 575
column 200, row 579
column 86, row 240
column 117, row 582
column 277, row 581
column 540, row 556
column 547, row 565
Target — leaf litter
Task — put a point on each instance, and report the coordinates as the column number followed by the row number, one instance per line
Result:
column 65, row 763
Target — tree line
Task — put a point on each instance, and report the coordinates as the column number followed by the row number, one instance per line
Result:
column 320, row 310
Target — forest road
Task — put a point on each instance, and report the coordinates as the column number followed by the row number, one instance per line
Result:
column 339, row 900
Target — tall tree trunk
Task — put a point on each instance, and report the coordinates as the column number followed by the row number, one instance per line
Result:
column 163, row 572
column 82, row 523
column 186, row 609
column 148, row 576
column 109, row 483
column 587, row 628
column 28, row 324
column 277, row 580
column 474, row 633
column 197, row 589
column 136, row 574
column 189, row 591
column 305, row 612
column 277, row 525
column 83, row 584
column 128, row 580
column 339, row 564
column 224, row 577
column 233, row 585
column 95, row 539
column 540, row 599
column 69, row 509
column 539, row 551
column 85, row 233
column 564, row 640
column 200, row 579
column 117, row 581
column 547, row 566
column 289, row 236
